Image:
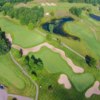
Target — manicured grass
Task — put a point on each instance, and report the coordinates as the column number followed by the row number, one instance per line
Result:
column 13, row 79
column 55, row 64
column 89, row 35
column 21, row 34
column 82, row 81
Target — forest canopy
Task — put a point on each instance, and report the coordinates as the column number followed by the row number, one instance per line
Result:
column 82, row 1
column 12, row 1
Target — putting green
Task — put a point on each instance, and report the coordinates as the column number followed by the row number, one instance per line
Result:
column 83, row 81
column 21, row 34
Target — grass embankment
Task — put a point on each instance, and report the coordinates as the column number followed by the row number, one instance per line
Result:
column 13, row 78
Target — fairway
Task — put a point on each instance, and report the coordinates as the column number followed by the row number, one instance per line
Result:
column 12, row 77
column 21, row 34
column 89, row 35
column 55, row 64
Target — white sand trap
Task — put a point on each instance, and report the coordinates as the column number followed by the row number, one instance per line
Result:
column 48, row 4
column 8, row 36
column 93, row 90
column 53, row 4
column 63, row 79
column 75, row 68
column 43, row 4
column 47, row 14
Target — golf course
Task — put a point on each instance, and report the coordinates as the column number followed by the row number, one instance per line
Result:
column 49, row 50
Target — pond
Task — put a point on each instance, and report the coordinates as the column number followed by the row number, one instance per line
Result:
column 95, row 17
column 57, row 25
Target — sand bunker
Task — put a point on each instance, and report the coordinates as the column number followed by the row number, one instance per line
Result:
column 8, row 36
column 47, row 14
column 63, row 79
column 48, row 4
column 93, row 90
column 75, row 68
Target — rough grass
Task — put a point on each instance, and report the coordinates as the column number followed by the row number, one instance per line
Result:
column 21, row 34
column 13, row 79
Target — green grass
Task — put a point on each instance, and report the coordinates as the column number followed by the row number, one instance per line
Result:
column 53, row 63
column 13, row 79
column 90, row 40
column 81, row 81
column 21, row 34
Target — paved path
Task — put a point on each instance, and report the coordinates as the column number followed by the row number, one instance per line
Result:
column 25, row 73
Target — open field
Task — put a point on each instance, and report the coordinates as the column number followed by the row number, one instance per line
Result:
column 21, row 34
column 13, row 79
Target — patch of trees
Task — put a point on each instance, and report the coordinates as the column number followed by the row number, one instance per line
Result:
column 90, row 60
column 27, row 16
column 5, row 44
column 2, row 2
column 33, row 63
column 76, row 11
column 82, row 1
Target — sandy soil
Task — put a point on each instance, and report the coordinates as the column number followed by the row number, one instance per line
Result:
column 63, row 79
column 75, row 68
column 93, row 90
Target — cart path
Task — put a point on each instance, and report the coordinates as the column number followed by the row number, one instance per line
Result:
column 26, row 74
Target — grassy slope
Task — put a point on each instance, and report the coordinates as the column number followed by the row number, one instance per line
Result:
column 13, row 79
column 21, row 34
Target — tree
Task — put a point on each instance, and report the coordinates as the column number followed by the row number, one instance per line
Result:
column 27, row 60
column 30, row 26
column 50, row 87
column 21, row 52
column 7, row 8
column 34, row 73
column 90, row 61
column 5, row 44
column 76, row 11
column 14, row 98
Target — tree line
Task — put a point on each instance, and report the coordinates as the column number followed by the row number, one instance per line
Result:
column 27, row 16
column 2, row 2
column 82, row 1
column 5, row 44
